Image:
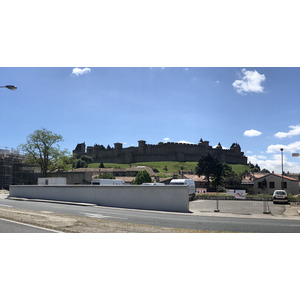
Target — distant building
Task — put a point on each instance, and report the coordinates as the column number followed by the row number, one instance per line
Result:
column 161, row 152
column 86, row 175
column 268, row 183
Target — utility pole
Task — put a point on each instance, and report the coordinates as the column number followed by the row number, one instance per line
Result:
column 281, row 149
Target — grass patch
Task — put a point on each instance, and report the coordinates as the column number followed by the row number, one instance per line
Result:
column 110, row 165
column 165, row 167
column 239, row 169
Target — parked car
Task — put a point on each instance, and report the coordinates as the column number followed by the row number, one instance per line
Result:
column 280, row 196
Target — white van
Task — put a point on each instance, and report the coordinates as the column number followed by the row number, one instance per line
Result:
column 107, row 182
column 189, row 182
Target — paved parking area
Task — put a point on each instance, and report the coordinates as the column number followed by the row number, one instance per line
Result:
column 243, row 207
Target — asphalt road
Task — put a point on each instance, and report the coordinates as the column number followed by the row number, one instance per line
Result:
column 163, row 219
column 7, row 226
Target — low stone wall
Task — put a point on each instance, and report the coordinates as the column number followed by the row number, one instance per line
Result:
column 162, row 198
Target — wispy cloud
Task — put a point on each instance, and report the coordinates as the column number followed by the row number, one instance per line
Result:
column 184, row 142
column 78, row 71
column 274, row 163
column 295, row 130
column 252, row 133
column 293, row 147
column 250, row 83
column 166, row 139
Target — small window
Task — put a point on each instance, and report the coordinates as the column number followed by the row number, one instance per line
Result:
column 260, row 185
column 284, row 185
column 271, row 184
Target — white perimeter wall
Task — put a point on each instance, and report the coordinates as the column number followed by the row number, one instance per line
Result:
column 165, row 198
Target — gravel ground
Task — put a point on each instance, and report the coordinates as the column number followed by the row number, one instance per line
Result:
column 79, row 224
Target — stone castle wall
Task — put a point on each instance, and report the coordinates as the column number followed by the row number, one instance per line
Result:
column 161, row 152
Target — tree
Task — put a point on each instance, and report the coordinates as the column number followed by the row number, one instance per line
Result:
column 87, row 159
column 229, row 179
column 42, row 149
column 209, row 166
column 142, row 177
column 81, row 164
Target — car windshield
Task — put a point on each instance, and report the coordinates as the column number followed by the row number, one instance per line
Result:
column 280, row 193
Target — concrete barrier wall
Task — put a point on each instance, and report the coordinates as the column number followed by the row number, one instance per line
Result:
column 164, row 198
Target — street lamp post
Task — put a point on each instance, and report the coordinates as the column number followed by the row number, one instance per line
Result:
column 10, row 87
column 281, row 149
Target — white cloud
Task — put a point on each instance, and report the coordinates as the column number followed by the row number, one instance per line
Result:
column 295, row 130
column 78, row 71
column 184, row 142
column 293, row 147
column 274, row 164
column 166, row 140
column 252, row 132
column 251, row 82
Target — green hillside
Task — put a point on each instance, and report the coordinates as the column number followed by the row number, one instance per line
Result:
column 164, row 167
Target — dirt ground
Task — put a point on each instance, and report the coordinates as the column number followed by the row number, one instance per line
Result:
column 79, row 224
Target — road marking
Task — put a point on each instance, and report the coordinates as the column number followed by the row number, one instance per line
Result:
column 46, row 212
column 5, row 205
column 99, row 216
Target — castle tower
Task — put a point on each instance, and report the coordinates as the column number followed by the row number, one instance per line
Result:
column 118, row 146
column 142, row 146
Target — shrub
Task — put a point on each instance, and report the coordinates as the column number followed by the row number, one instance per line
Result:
column 81, row 164
column 142, row 177
column 87, row 159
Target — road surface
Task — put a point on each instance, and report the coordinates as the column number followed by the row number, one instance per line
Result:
column 8, row 226
column 163, row 219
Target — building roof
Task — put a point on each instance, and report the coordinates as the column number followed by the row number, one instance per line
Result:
column 278, row 175
column 196, row 178
column 126, row 179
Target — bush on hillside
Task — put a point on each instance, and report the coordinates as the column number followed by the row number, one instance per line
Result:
column 142, row 177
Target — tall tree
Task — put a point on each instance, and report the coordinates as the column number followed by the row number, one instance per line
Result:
column 42, row 149
column 211, row 167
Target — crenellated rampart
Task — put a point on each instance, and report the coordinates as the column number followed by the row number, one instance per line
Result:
column 161, row 152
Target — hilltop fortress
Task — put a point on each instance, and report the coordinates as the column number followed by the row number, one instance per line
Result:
column 161, row 152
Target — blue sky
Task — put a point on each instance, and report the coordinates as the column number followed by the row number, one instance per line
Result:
column 255, row 107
